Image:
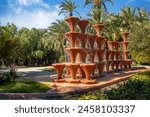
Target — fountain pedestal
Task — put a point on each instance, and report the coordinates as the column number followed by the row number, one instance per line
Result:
column 92, row 40
column 88, row 70
column 98, row 28
column 124, row 36
column 73, row 70
column 59, row 67
column 72, row 22
column 82, row 25
column 73, row 53
column 72, row 38
column 100, row 67
column 83, row 39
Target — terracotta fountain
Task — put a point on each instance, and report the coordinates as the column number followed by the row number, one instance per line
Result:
column 73, row 70
column 88, row 69
column 127, row 62
column 59, row 67
column 73, row 53
column 72, row 22
column 82, row 25
column 92, row 40
column 72, row 38
column 99, row 28
column 87, row 59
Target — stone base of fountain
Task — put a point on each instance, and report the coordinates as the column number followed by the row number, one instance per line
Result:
column 73, row 81
column 88, row 81
column 59, row 80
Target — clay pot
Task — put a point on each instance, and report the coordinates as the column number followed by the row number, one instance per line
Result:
column 108, row 53
column 59, row 67
column 83, row 39
column 82, row 25
column 126, row 53
column 121, row 64
column 125, row 44
column 112, row 55
column 118, row 55
column 101, row 42
column 100, row 54
column 124, row 35
column 117, row 44
column 93, row 54
column 111, row 45
column 100, row 67
column 129, row 63
column 73, row 70
column 88, row 70
column 67, row 70
column 81, row 72
column 72, row 22
column 98, row 28
column 92, row 40
column 112, row 65
column 82, row 55
column 73, row 53
column 108, row 64
column 125, row 63
column 72, row 38
column 117, row 63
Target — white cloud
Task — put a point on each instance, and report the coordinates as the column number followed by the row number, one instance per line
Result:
column 32, row 2
column 38, row 17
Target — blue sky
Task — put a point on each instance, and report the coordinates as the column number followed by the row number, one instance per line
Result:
column 41, row 13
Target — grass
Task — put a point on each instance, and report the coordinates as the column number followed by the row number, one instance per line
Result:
column 24, row 87
column 136, row 88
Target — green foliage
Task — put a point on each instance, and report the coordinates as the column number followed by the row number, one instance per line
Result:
column 139, row 43
column 136, row 88
column 6, row 77
column 69, row 7
column 62, row 58
column 98, row 3
column 24, row 87
column 98, row 95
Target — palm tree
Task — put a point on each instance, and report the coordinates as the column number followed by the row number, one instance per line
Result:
column 142, row 15
column 57, row 35
column 128, row 16
column 98, row 3
column 112, row 29
column 68, row 6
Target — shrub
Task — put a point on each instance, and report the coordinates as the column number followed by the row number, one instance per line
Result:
column 136, row 88
column 98, row 95
column 7, row 77
column 139, row 43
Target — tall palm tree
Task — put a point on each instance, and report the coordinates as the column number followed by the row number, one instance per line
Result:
column 57, row 35
column 128, row 16
column 68, row 6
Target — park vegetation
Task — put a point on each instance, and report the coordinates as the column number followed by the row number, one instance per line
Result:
column 136, row 88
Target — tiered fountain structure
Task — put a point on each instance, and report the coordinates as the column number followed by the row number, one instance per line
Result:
column 81, row 68
column 127, row 62
column 86, row 53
